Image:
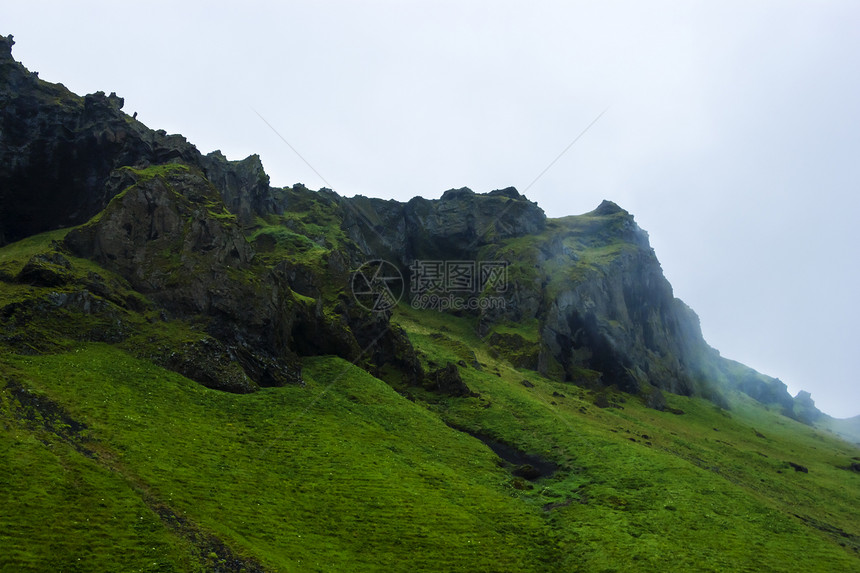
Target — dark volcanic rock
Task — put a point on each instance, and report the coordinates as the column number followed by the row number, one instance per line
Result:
column 48, row 269
column 655, row 399
column 608, row 319
column 798, row 467
column 244, row 185
column 208, row 362
column 169, row 234
column 447, row 380
column 58, row 149
column 766, row 390
column 621, row 318
column 452, row 227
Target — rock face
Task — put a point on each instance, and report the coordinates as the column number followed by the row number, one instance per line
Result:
column 805, row 409
column 49, row 270
column 168, row 232
column 460, row 222
column 766, row 390
column 622, row 319
column 58, row 149
column 447, row 380
column 170, row 235
column 591, row 283
column 605, row 315
column 244, row 185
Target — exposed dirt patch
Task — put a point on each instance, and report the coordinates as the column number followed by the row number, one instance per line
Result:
column 557, row 504
column 38, row 411
column 525, row 465
column 211, row 551
column 841, row 536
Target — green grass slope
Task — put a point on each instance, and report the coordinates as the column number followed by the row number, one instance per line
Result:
column 111, row 463
column 703, row 489
column 342, row 474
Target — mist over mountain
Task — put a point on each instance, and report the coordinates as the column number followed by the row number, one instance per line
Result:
column 144, row 281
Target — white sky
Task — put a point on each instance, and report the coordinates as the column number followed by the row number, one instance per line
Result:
column 732, row 134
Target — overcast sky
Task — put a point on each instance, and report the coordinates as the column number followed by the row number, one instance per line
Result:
column 732, row 131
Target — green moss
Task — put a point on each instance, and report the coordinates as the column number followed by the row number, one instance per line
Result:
column 282, row 240
column 527, row 330
column 345, row 473
column 153, row 171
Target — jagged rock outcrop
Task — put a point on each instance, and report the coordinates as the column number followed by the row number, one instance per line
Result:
column 593, row 284
column 58, row 149
column 460, row 222
column 614, row 312
column 447, row 380
column 622, row 319
column 804, row 408
column 169, row 234
column 49, row 269
column 243, row 184
column 766, row 390
column 64, row 301
column 605, row 313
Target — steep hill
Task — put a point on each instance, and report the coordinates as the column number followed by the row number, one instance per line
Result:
column 201, row 372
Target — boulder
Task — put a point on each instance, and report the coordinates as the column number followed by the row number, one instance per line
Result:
column 46, row 270
column 447, row 380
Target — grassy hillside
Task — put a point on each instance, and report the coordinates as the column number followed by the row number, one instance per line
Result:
column 111, row 463
column 342, row 474
column 848, row 428
column 700, row 489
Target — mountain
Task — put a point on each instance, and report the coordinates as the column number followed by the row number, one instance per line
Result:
column 205, row 372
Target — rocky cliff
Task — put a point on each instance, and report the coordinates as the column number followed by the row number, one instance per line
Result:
column 57, row 151
column 266, row 271
column 453, row 227
column 591, row 285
